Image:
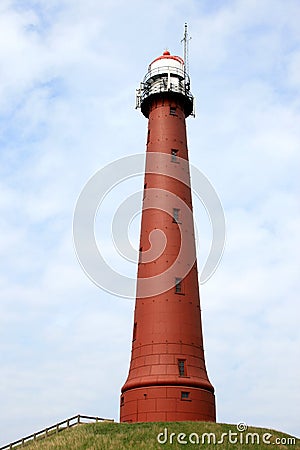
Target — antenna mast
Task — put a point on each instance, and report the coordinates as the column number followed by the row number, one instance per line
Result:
column 186, row 38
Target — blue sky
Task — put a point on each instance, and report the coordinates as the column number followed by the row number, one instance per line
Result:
column 68, row 74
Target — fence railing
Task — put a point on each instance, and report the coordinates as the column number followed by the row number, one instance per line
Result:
column 49, row 431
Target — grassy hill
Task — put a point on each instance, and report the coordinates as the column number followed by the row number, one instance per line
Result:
column 139, row 436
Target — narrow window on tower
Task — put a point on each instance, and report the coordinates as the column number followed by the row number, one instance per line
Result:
column 185, row 395
column 122, row 401
column 140, row 254
column 174, row 155
column 134, row 331
column 182, row 367
column 176, row 215
column 178, row 286
column 148, row 137
column 173, row 111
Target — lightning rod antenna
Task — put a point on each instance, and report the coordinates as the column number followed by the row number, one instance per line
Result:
column 186, row 38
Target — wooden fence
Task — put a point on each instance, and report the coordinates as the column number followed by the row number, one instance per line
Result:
column 49, row 431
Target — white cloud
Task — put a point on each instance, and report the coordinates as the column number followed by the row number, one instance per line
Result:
column 293, row 69
column 68, row 73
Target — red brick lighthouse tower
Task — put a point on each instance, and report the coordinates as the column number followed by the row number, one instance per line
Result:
column 167, row 379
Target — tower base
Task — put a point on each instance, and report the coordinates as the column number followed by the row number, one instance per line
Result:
column 167, row 404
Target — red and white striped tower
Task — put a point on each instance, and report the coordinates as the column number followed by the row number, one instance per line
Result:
column 167, row 379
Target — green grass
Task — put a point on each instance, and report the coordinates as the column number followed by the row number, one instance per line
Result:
column 140, row 436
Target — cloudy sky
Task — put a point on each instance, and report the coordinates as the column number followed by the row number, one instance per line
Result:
column 68, row 73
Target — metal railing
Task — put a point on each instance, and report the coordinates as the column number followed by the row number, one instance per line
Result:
column 54, row 429
column 161, row 86
column 164, row 79
column 173, row 71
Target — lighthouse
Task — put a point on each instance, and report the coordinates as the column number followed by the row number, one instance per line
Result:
column 167, row 378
